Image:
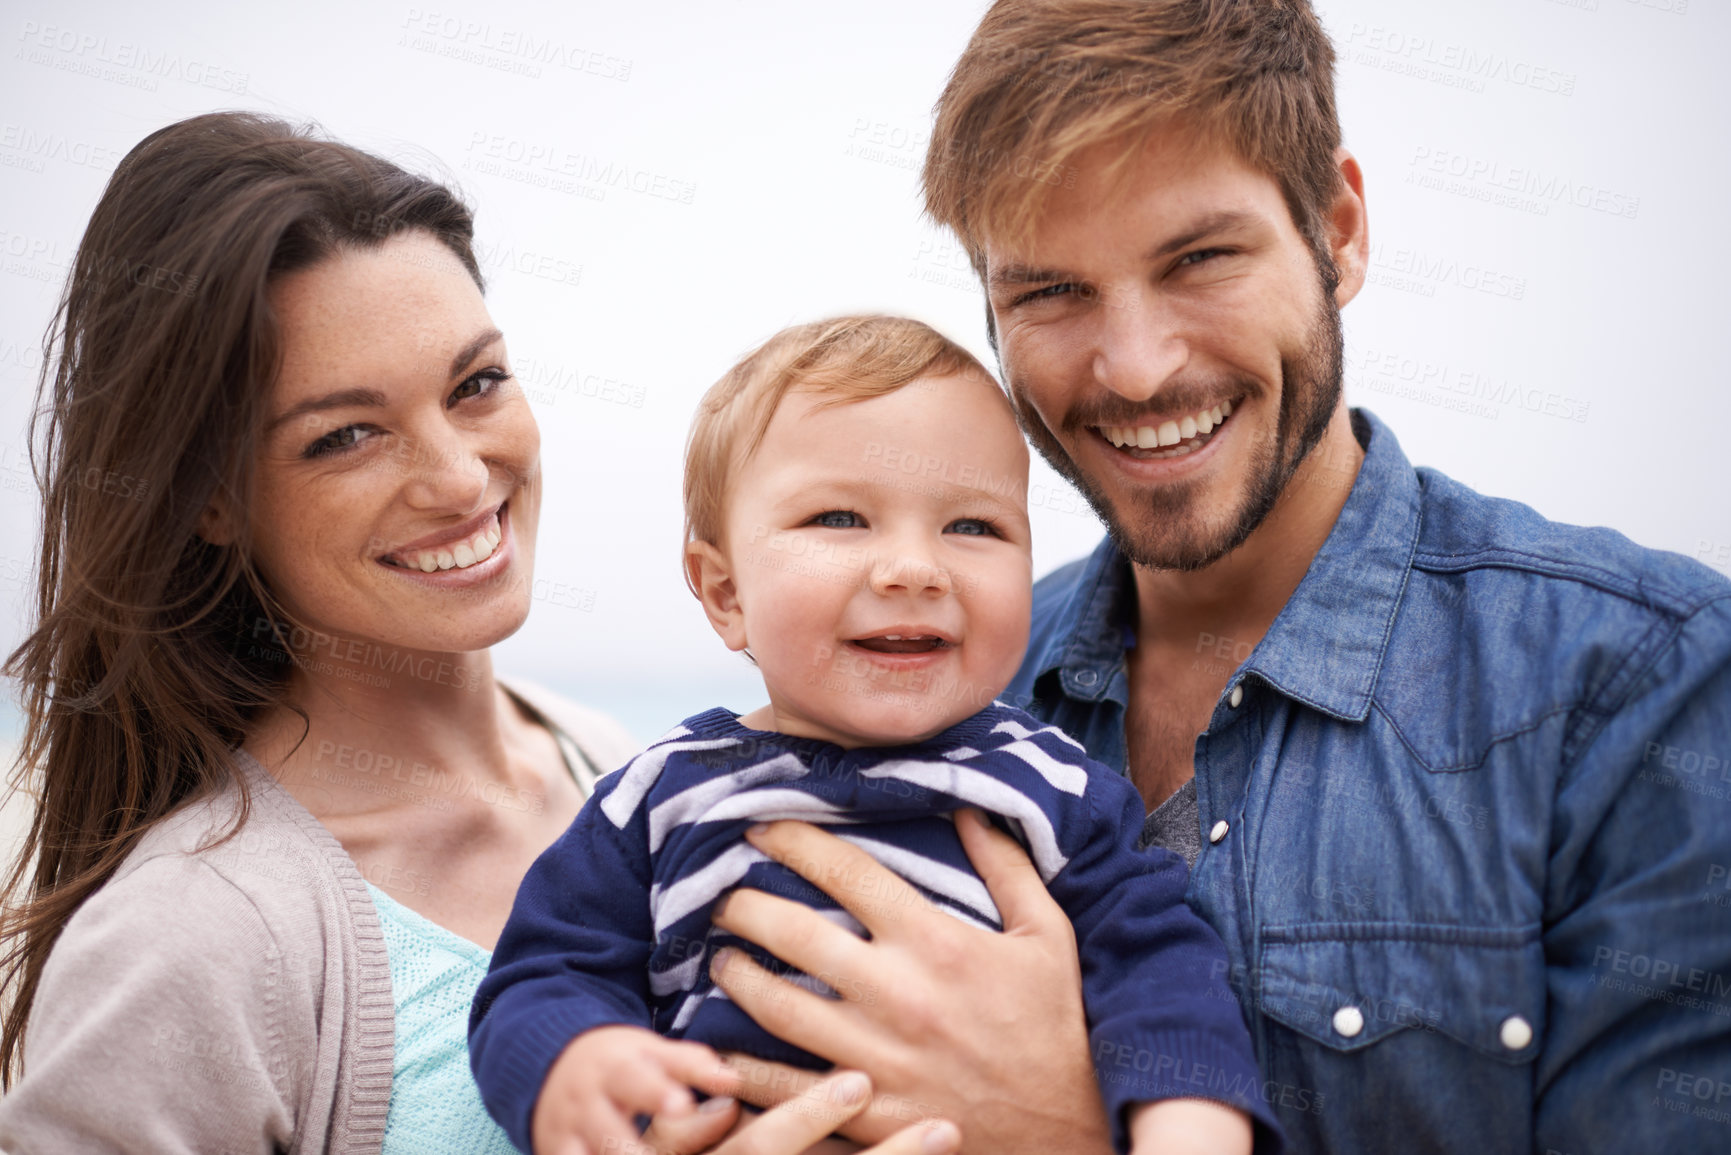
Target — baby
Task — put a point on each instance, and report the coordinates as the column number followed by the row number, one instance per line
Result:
column 855, row 495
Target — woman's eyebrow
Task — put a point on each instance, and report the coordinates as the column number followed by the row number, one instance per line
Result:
column 468, row 352
column 341, row 399
column 372, row 398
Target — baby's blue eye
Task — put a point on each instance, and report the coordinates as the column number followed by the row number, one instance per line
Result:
column 970, row 525
column 837, row 519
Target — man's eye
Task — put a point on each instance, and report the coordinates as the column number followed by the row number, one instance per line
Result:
column 1201, row 255
column 972, row 526
column 837, row 519
column 338, row 440
column 481, row 383
column 1047, row 292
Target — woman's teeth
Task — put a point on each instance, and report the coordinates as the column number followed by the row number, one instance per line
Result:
column 470, row 551
column 1186, row 433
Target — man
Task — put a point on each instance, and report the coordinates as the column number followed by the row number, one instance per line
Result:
column 1448, row 774
column 1424, row 749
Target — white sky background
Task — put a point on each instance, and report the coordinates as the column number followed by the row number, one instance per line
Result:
column 798, row 129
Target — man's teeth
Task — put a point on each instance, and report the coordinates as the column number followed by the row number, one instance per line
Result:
column 464, row 554
column 1168, row 433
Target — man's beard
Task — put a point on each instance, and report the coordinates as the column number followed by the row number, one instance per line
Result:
column 1165, row 529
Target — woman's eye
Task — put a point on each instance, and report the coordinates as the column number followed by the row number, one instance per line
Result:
column 837, row 519
column 483, row 382
column 973, row 526
column 338, row 440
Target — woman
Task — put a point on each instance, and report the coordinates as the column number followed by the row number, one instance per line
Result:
column 283, row 803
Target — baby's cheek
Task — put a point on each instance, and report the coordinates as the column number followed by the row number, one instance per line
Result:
column 1001, row 625
column 786, row 646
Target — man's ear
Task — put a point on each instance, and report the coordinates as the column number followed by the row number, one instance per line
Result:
column 216, row 522
column 711, row 576
column 1349, row 228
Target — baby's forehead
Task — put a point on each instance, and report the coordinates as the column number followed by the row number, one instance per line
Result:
column 927, row 396
column 943, row 439
column 943, row 415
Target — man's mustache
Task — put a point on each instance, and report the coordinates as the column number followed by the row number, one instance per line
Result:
column 1174, row 402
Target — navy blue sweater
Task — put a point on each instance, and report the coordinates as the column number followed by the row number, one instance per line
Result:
column 611, row 924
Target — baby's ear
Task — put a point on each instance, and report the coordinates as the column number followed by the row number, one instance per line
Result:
column 711, row 578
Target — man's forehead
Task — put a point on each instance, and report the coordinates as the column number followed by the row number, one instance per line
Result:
column 1102, row 171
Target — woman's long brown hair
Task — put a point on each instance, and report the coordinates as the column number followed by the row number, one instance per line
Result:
column 138, row 679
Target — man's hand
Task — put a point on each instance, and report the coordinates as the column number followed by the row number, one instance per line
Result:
column 797, row 1127
column 984, row 1029
column 611, row 1074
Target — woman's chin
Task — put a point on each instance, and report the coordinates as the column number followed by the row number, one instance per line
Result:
column 468, row 637
column 459, row 633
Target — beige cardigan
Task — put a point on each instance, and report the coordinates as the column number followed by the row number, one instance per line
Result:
column 229, row 999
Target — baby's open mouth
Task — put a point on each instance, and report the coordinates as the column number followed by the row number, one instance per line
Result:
column 902, row 643
column 1175, row 438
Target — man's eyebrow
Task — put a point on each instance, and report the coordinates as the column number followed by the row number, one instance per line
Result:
column 1020, row 274
column 362, row 398
column 1016, row 273
column 1222, row 221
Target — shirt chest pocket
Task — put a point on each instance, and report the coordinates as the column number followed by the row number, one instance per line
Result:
column 1349, row 986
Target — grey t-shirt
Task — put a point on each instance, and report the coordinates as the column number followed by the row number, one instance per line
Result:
column 1173, row 825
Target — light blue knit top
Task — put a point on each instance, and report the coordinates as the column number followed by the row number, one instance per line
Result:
column 435, row 1107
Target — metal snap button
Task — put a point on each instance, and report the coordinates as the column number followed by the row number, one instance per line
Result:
column 1516, row 1033
column 1219, row 831
column 1348, row 1021
column 1235, row 697
column 1086, row 678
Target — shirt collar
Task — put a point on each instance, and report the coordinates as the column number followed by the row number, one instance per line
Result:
column 1093, row 626
column 1326, row 647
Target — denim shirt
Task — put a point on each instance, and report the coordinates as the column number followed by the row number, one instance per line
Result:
column 1466, row 821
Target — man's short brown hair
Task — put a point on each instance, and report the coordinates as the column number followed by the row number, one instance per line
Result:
column 1041, row 80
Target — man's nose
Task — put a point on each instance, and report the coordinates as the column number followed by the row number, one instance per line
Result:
column 1139, row 344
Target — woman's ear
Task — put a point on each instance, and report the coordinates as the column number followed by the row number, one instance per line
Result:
column 711, row 575
column 216, row 523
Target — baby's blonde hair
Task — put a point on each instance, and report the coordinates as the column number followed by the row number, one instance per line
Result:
column 844, row 359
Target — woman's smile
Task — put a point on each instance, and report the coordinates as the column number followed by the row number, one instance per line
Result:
column 473, row 552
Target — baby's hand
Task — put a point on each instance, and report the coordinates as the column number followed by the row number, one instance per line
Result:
column 608, row 1075
column 1189, row 1127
